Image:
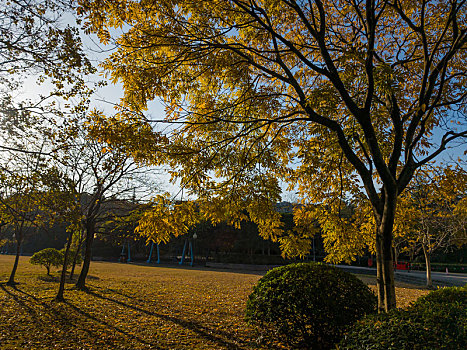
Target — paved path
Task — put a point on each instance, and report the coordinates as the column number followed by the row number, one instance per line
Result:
column 415, row 277
column 419, row 277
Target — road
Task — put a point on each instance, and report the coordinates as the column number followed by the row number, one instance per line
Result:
column 419, row 277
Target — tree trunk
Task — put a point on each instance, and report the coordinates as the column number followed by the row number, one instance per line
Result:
column 384, row 254
column 48, row 269
column 61, row 288
column 379, row 273
column 75, row 259
column 81, row 284
column 426, row 253
column 19, row 241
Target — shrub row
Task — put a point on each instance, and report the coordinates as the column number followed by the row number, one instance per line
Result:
column 312, row 306
column 436, row 321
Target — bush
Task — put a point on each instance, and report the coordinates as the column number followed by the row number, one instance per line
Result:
column 436, row 321
column 308, row 305
column 47, row 257
column 443, row 296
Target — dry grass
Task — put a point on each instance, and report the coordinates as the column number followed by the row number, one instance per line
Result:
column 132, row 307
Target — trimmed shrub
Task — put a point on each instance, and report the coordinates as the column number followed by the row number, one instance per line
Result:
column 443, row 296
column 308, row 305
column 436, row 321
column 47, row 257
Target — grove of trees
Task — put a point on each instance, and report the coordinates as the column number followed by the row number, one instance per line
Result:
column 345, row 101
column 341, row 99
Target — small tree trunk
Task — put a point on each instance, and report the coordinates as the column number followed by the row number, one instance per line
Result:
column 81, row 283
column 61, row 288
column 426, row 253
column 48, row 269
column 19, row 240
column 75, row 259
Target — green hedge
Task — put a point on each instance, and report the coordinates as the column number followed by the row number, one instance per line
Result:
column 436, row 321
column 308, row 305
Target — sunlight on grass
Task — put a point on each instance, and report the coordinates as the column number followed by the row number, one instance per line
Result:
column 131, row 307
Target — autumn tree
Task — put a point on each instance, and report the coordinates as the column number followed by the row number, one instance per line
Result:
column 101, row 176
column 36, row 45
column 20, row 196
column 336, row 97
column 433, row 212
column 60, row 202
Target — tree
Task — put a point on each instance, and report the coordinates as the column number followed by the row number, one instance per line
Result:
column 432, row 212
column 100, row 178
column 331, row 96
column 47, row 257
column 34, row 43
column 19, row 197
column 61, row 203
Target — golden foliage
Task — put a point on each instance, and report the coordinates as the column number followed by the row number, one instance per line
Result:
column 329, row 96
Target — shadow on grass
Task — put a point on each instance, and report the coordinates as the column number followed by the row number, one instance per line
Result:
column 46, row 314
column 108, row 325
column 21, row 302
column 196, row 267
column 219, row 337
column 56, row 279
column 28, row 303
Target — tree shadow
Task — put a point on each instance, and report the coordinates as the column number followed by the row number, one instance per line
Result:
column 177, row 266
column 65, row 318
column 22, row 302
column 110, row 326
column 16, row 298
column 219, row 337
column 46, row 312
column 53, row 279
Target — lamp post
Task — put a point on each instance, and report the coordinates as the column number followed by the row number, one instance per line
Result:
column 192, row 243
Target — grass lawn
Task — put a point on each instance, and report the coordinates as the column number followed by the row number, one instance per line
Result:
column 132, row 306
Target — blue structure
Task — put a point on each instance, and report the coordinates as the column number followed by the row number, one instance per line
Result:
column 129, row 252
column 190, row 247
column 150, row 253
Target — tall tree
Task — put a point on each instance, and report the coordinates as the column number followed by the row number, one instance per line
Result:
column 36, row 45
column 61, row 203
column 100, row 176
column 336, row 97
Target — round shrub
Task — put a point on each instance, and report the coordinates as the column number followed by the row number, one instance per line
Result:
column 436, row 321
column 308, row 305
column 47, row 257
